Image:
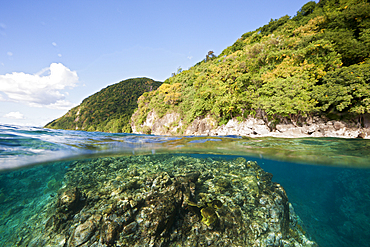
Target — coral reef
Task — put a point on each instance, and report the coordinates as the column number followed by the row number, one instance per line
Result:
column 167, row 200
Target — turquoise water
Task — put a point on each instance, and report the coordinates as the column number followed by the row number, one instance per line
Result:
column 327, row 180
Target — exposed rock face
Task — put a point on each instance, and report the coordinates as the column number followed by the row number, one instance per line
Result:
column 161, row 200
column 249, row 127
column 318, row 127
column 170, row 124
column 201, row 126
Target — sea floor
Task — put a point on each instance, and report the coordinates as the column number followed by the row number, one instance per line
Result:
column 331, row 203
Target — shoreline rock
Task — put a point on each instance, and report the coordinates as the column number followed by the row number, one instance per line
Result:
column 170, row 124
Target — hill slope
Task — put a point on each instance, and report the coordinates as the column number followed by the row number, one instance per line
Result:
column 316, row 63
column 108, row 110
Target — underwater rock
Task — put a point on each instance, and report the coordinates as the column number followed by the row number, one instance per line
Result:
column 109, row 232
column 82, row 233
column 209, row 216
column 163, row 200
column 69, row 200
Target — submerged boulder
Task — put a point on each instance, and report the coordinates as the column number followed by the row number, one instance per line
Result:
column 163, row 200
column 83, row 232
column 69, row 200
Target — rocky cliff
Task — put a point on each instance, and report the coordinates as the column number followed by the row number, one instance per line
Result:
column 171, row 124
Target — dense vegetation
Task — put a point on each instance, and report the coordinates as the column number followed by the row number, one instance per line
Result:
column 316, row 62
column 108, row 110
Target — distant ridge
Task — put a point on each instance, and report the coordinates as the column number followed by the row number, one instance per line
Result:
column 108, row 110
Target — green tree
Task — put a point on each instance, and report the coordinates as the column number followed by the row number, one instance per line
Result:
column 346, row 89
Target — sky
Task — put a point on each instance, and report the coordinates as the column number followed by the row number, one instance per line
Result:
column 53, row 54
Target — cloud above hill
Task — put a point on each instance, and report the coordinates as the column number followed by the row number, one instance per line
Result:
column 43, row 89
column 14, row 115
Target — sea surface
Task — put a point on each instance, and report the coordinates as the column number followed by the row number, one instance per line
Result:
column 327, row 180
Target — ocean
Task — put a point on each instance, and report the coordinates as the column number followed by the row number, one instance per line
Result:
column 76, row 188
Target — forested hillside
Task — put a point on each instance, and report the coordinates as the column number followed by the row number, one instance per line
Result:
column 315, row 63
column 108, row 110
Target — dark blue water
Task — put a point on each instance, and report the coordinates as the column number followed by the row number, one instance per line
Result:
column 327, row 180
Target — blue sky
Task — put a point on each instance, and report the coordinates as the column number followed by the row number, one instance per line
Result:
column 53, row 54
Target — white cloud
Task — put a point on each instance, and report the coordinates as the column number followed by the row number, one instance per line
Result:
column 61, row 105
column 190, row 57
column 14, row 115
column 42, row 89
column 9, row 53
column 59, row 55
column 54, row 44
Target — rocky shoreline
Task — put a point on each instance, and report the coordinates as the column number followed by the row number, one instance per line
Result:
column 257, row 128
column 170, row 124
